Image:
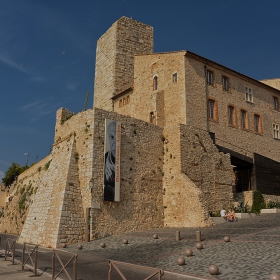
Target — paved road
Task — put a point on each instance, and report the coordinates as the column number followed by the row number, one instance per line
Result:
column 253, row 253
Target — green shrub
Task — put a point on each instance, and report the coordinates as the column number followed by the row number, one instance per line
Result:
column 258, row 202
column 47, row 165
column 241, row 208
column 22, row 190
column 273, row 204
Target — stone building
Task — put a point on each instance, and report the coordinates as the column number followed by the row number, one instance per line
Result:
column 193, row 134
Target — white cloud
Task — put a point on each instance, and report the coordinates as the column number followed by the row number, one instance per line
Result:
column 40, row 109
column 13, row 64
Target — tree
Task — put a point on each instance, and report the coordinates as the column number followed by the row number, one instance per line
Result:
column 258, row 202
column 11, row 174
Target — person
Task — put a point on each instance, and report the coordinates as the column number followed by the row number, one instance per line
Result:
column 109, row 166
column 223, row 213
column 231, row 215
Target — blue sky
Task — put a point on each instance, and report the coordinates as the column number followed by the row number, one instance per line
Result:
column 36, row 79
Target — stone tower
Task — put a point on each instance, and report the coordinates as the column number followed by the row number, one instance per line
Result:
column 115, row 58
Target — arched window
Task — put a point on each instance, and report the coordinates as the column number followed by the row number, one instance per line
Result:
column 120, row 103
column 152, row 118
column 155, row 83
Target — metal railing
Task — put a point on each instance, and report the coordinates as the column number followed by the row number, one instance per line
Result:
column 113, row 264
column 33, row 248
column 63, row 269
column 10, row 249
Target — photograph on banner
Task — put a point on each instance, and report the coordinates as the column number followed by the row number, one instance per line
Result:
column 112, row 145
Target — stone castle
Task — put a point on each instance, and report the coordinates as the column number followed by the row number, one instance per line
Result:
column 195, row 135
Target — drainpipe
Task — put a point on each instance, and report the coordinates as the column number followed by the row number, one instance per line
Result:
column 206, row 96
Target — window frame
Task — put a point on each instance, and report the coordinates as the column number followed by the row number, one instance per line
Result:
column 210, row 78
column 232, row 120
column 225, row 85
column 249, row 97
column 246, row 119
column 120, row 103
column 212, row 113
column 155, row 83
column 276, row 134
column 257, row 124
column 175, row 77
column 275, row 103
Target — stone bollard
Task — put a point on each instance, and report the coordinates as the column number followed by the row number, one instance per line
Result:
column 181, row 261
column 227, row 239
column 102, row 245
column 189, row 252
column 274, row 276
column 155, row 236
column 213, row 269
column 125, row 241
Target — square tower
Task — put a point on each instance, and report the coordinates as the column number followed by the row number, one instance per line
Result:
column 115, row 51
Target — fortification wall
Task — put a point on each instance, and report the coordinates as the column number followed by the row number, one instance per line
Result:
column 22, row 194
column 210, row 170
column 140, row 205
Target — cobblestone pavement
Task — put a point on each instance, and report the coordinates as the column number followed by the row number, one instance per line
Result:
column 252, row 253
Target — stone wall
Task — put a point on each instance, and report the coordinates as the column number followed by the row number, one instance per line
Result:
column 140, row 206
column 233, row 137
column 22, row 193
column 210, row 170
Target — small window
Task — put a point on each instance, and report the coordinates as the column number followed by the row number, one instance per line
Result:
column 244, row 119
column 152, row 118
column 225, row 83
column 212, row 107
column 155, row 84
column 209, row 77
column 120, row 103
column 276, row 131
column 124, row 101
column 127, row 99
column 249, row 94
column 175, row 78
column 275, row 103
column 231, row 115
column 257, row 124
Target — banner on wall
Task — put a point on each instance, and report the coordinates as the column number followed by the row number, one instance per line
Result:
column 112, row 148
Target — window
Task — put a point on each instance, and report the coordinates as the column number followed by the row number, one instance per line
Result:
column 209, row 77
column 127, row 99
column 212, row 109
column 225, row 83
column 257, row 124
column 155, row 84
column 231, row 115
column 152, row 118
column 276, row 131
column 120, row 103
column 275, row 103
column 175, row 78
column 249, row 94
column 244, row 119
column 124, row 101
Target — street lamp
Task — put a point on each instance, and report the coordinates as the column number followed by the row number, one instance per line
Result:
column 26, row 154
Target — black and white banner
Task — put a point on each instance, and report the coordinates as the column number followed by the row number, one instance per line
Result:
column 112, row 147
